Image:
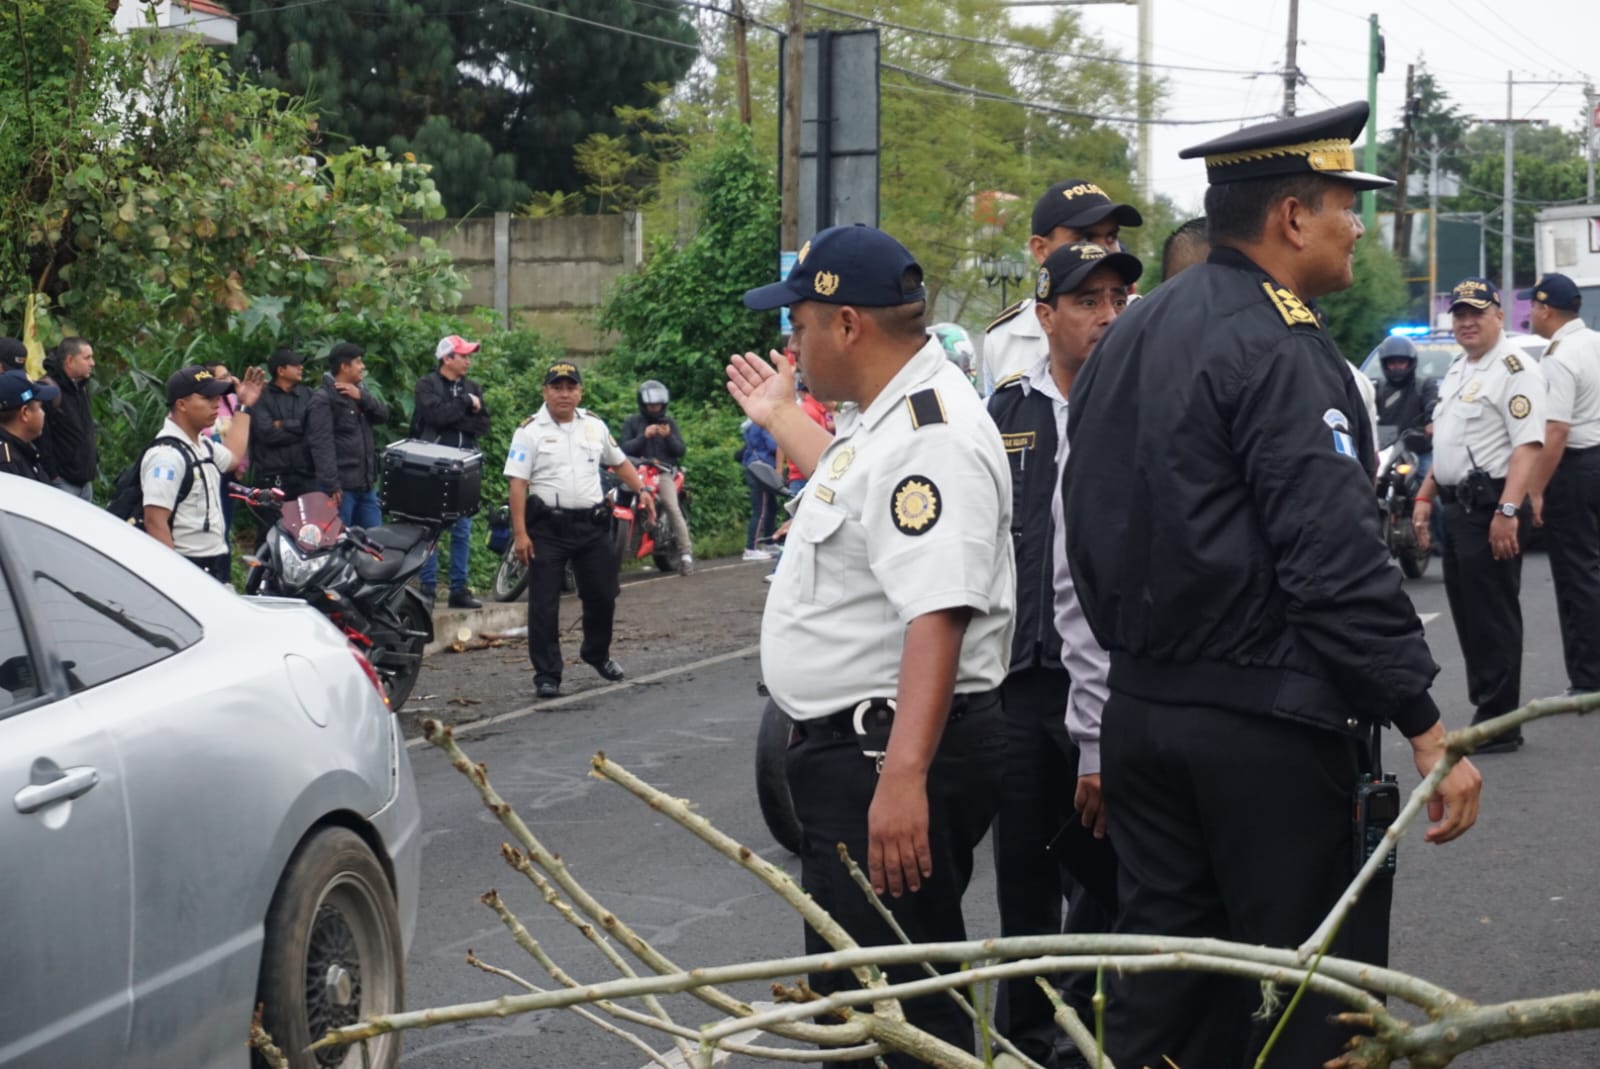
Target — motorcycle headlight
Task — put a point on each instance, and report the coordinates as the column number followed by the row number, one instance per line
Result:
column 1403, row 469
column 294, row 567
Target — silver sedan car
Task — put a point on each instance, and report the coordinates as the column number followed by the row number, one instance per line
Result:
column 210, row 807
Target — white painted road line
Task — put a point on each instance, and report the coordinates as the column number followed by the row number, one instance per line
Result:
column 556, row 703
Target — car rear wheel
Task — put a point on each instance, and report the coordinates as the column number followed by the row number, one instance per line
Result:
column 332, row 954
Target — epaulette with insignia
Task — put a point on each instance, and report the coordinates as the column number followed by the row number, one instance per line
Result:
column 1513, row 363
column 527, row 421
column 926, row 408
column 1008, row 315
column 1290, row 307
column 1010, row 380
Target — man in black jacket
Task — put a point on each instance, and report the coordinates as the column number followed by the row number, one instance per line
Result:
column 1225, row 549
column 339, row 421
column 1048, row 846
column 70, row 451
column 652, row 436
column 280, row 451
column 450, row 411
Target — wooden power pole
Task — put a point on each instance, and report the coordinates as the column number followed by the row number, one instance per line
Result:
column 793, row 77
column 1402, row 228
column 741, row 54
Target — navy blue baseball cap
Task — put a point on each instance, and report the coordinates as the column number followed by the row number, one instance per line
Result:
column 857, row 265
column 1476, row 293
column 17, row 390
column 1065, row 269
column 1555, row 291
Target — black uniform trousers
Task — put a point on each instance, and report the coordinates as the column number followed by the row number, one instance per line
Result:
column 1485, row 601
column 1237, row 826
column 1043, row 854
column 560, row 536
column 832, row 783
column 1572, row 532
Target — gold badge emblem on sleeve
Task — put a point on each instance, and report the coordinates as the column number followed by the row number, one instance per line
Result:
column 1520, row 406
column 916, row 505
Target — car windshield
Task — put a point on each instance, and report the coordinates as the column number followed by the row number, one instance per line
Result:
column 1436, row 352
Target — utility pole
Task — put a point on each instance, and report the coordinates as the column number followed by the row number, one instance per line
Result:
column 793, row 75
column 1147, row 92
column 1433, row 224
column 741, row 54
column 1291, row 69
column 1402, row 228
column 1376, row 60
column 1588, row 136
column 1505, row 219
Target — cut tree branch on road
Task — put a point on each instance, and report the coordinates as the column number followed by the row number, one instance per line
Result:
column 873, row 1018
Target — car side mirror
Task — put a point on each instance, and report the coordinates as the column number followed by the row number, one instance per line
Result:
column 767, row 476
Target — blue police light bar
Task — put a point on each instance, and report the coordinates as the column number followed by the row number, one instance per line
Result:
column 1408, row 331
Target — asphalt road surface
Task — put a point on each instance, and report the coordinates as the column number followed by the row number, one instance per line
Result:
column 1507, row 912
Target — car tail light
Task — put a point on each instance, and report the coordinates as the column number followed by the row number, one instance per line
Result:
column 371, row 674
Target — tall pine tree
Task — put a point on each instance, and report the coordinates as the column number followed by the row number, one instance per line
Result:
column 494, row 97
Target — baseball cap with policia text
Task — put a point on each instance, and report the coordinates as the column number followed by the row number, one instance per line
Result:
column 1477, row 293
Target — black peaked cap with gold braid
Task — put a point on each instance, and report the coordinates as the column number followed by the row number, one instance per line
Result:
column 1320, row 143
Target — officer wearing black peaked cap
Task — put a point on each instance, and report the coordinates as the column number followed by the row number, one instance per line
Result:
column 1223, row 545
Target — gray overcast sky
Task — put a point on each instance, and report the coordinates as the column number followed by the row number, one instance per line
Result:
column 1469, row 45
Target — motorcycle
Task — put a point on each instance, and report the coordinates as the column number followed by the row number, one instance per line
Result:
column 1399, row 479
column 354, row 576
column 655, row 537
column 511, row 576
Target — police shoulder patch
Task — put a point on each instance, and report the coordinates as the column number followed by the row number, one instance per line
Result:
column 1520, row 406
column 914, row 504
column 1513, row 363
column 926, row 408
column 1007, row 316
column 1290, row 307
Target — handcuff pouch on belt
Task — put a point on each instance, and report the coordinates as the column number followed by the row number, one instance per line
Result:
column 873, row 719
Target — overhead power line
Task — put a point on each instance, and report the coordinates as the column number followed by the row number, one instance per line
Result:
column 1017, row 47
column 1056, row 109
column 603, row 25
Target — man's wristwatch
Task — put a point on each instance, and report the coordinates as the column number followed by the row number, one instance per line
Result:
column 1507, row 509
column 242, row 410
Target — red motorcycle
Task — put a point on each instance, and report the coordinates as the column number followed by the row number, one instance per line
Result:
column 653, row 538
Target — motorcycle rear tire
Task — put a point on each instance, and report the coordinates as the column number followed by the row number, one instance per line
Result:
column 399, row 684
column 665, row 562
column 1413, row 562
column 772, row 780
column 511, row 578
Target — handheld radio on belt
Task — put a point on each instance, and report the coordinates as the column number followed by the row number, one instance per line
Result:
column 1377, row 804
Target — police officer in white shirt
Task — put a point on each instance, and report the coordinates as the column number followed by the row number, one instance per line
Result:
column 185, row 457
column 559, row 514
column 888, row 628
column 1488, row 428
column 1068, row 213
column 1569, row 471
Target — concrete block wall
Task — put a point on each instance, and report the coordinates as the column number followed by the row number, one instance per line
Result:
column 550, row 274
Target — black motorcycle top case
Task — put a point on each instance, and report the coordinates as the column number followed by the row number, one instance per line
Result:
column 427, row 481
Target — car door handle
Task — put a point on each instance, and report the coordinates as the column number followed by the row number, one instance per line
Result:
column 72, row 783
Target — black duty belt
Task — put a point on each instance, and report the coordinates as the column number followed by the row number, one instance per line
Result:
column 842, row 725
column 1450, row 495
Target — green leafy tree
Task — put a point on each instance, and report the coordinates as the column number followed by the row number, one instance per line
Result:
column 681, row 315
column 495, row 96
column 1359, row 317
column 1548, row 169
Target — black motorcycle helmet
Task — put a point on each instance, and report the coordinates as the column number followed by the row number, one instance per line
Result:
column 652, row 392
column 1399, row 359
